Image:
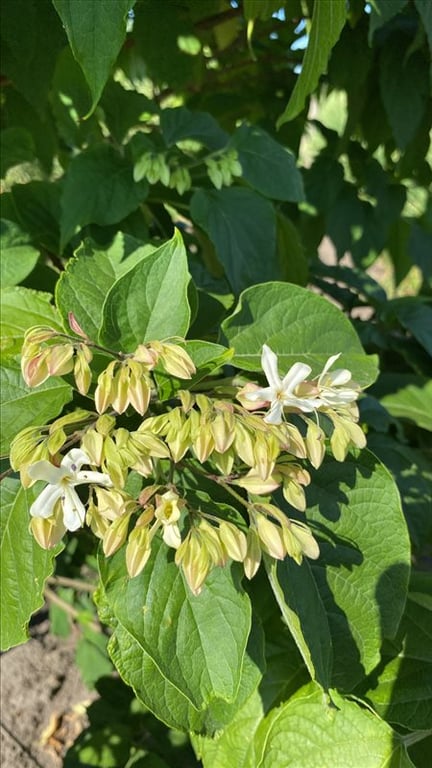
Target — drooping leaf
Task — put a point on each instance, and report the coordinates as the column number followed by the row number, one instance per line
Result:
column 150, row 301
column 242, row 228
column 328, row 20
column 413, row 403
column 311, row 730
column 23, row 406
column 267, row 166
column 299, row 326
column 180, row 123
column 25, row 565
column 18, row 256
column 363, row 570
column 16, row 147
column 89, row 26
column 302, row 608
column 99, row 189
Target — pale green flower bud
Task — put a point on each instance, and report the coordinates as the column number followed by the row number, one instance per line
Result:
column 92, row 444
column 48, row 531
column 59, row 359
column 138, row 550
column 116, row 535
column 194, row 560
column 142, row 166
column 315, row 444
column 252, row 561
column 270, row 536
column 105, row 388
column 82, row 372
column 233, row 540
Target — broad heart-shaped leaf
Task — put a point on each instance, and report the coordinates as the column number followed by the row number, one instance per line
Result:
column 413, row 403
column 328, row 20
column 301, row 606
column 197, row 643
column 84, row 284
column 21, row 308
column 362, row 574
column 242, row 227
column 98, row 189
column 23, row 406
column 267, row 166
column 25, row 565
column 150, row 301
column 96, row 32
column 311, row 731
column 18, row 256
column 299, row 326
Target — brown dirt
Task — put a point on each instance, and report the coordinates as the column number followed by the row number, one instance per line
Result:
column 43, row 700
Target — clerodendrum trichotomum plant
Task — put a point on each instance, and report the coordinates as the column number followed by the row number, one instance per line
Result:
column 228, row 485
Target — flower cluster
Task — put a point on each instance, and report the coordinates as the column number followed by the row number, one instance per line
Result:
column 231, row 443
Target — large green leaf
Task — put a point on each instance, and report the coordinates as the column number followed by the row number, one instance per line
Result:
column 413, row 403
column 242, row 227
column 328, row 20
column 21, row 308
column 363, row 570
column 24, row 407
column 267, row 166
column 18, row 256
column 98, row 189
column 180, row 123
column 207, row 357
column 312, row 731
column 299, row 326
column 150, row 301
column 87, row 279
column 25, row 566
column 96, row 32
column 302, row 608
column 192, row 646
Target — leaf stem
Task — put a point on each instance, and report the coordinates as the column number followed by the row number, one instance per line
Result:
column 53, row 598
column 77, row 584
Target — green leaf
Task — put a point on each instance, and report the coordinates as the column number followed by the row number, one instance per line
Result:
column 21, row 308
column 91, row 657
column 267, row 166
column 16, row 147
column 220, row 601
column 362, row 573
column 35, row 206
column 180, row 123
column 150, row 301
column 99, row 189
column 242, row 227
column 301, row 606
column 404, row 105
column 87, row 279
column 25, row 566
column 299, row 326
column 31, row 38
column 413, row 403
column 96, row 32
column 18, row 256
column 311, row 731
column 381, row 12
column 260, row 9
column 291, row 252
column 328, row 20
column 414, row 314
column 23, row 406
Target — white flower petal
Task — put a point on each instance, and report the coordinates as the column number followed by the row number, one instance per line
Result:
column 295, row 376
column 44, row 505
column 171, row 536
column 74, row 460
column 266, row 393
column 274, row 416
column 44, row 470
column 341, row 376
column 73, row 509
column 99, row 478
column 329, row 364
column 269, row 364
column 307, row 405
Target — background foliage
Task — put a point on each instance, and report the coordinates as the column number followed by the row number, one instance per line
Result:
column 289, row 142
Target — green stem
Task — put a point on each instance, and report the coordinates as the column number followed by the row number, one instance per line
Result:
column 220, row 481
column 413, row 738
column 77, row 584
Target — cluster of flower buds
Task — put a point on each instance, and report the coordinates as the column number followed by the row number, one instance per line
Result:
column 223, row 168
column 156, row 167
column 45, row 354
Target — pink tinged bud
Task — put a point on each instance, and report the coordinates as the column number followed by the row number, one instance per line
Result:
column 252, row 560
column 138, row 551
column 233, row 540
column 104, row 390
column 139, row 394
column 248, row 398
column 59, row 359
column 271, row 537
column 116, row 535
column 146, row 355
column 35, row 370
column 75, row 326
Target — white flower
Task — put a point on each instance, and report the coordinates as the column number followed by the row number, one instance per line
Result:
column 280, row 392
column 61, row 485
column 331, row 386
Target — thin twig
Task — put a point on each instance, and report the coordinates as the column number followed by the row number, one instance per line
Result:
column 52, row 597
column 77, row 584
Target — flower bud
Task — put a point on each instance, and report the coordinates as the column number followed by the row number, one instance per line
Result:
column 175, row 359
column 233, row 540
column 92, row 444
column 252, row 561
column 253, row 483
column 115, row 535
column 34, row 367
column 194, row 560
column 82, row 372
column 271, row 536
column 210, row 537
column 59, row 359
column 105, row 388
column 138, row 550
column 48, row 531
column 315, row 444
